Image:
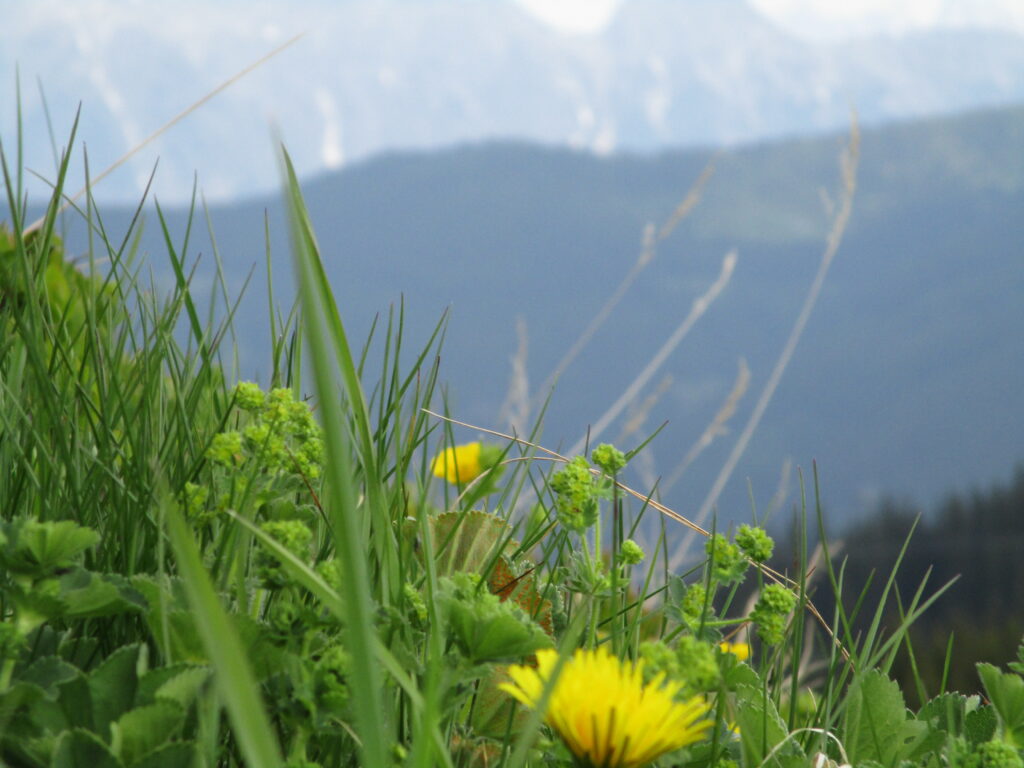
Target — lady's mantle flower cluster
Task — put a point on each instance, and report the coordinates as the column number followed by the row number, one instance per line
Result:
column 772, row 612
column 576, row 503
column 275, row 450
column 281, row 435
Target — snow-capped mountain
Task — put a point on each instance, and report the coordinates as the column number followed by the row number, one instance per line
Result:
column 370, row 76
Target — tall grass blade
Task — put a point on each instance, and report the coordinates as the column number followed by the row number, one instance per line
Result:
column 329, row 351
column 235, row 679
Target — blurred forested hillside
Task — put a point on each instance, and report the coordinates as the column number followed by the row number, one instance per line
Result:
column 907, row 381
column 975, row 537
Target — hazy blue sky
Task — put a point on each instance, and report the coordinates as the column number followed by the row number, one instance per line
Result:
column 372, row 76
column 817, row 19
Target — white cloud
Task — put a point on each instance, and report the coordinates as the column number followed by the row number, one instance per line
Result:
column 573, row 16
column 331, row 152
column 839, row 19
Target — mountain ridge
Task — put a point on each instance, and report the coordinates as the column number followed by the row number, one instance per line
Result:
column 369, row 77
column 906, row 382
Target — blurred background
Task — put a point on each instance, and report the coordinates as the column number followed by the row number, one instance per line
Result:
column 502, row 160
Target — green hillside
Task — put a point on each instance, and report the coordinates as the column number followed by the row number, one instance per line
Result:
column 907, row 380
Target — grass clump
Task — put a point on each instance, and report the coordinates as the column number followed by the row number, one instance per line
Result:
column 315, row 572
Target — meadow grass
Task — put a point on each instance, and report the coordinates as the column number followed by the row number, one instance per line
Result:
column 323, row 568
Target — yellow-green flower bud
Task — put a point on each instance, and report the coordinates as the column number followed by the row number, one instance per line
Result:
column 755, row 543
column 631, row 553
column 249, row 396
column 226, row 449
column 608, row 458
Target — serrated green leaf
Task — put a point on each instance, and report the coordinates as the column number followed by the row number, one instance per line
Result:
column 169, row 620
column 468, row 541
column 19, row 695
column 47, row 714
column 1018, row 665
column 980, row 725
column 151, row 682
column 486, row 628
column 177, row 755
column 918, row 740
column 112, row 687
column 494, row 711
column 1006, row 692
column 75, row 702
column 48, row 673
column 78, row 650
column 38, row 750
column 145, row 729
column 742, row 674
column 38, row 549
column 876, row 718
column 184, row 687
column 82, row 749
column 90, row 595
column 761, row 726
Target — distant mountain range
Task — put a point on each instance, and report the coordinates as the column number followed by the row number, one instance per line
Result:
column 908, row 380
column 371, row 77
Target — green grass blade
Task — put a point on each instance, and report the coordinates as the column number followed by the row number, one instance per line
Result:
column 235, row 679
column 322, row 325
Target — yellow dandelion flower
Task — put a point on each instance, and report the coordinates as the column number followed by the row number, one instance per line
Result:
column 740, row 650
column 460, row 464
column 603, row 711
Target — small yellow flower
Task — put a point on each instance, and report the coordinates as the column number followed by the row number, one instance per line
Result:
column 603, row 711
column 460, row 464
column 740, row 650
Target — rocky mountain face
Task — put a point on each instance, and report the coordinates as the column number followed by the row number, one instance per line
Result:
column 370, row 77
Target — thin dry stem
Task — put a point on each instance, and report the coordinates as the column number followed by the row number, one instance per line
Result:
column 651, row 239
column 716, row 428
column 848, row 167
column 697, row 310
column 69, row 201
column 550, row 455
column 638, row 413
column 515, row 411
column 781, row 490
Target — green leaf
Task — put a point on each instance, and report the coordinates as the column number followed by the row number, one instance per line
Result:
column 177, row 755
column 112, row 687
column 485, row 628
column 741, row 674
column 75, row 702
column 761, row 726
column 170, row 622
column 37, row 549
column 1006, row 692
column 82, row 749
column 469, row 541
column 18, row 695
column 494, row 711
column 48, row 673
column 1018, row 665
column 876, row 720
column 184, row 687
column 44, row 710
column 89, row 595
column 234, row 676
column 980, row 725
column 154, row 679
column 948, row 712
column 144, row 729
